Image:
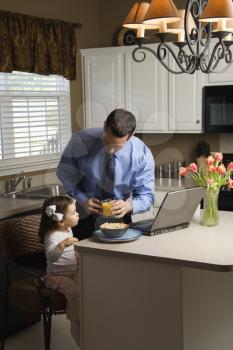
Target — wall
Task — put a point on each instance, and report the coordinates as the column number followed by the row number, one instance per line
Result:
column 112, row 15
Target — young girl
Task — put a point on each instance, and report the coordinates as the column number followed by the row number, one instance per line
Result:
column 58, row 216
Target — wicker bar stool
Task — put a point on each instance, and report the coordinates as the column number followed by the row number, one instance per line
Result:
column 31, row 295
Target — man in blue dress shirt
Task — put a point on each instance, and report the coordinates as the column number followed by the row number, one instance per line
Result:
column 106, row 163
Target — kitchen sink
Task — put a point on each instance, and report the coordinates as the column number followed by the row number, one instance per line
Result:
column 38, row 192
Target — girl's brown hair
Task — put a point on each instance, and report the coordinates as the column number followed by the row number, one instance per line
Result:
column 47, row 224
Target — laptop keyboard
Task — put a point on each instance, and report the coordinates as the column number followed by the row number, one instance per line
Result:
column 145, row 226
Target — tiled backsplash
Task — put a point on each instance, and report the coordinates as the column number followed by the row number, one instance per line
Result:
column 226, row 143
column 174, row 147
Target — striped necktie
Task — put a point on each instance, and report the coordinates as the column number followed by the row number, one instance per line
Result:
column 105, row 188
column 110, row 168
column 109, row 175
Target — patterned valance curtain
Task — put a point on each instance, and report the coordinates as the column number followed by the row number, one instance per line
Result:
column 37, row 45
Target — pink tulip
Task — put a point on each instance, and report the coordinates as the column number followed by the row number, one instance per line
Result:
column 210, row 181
column 210, row 160
column 193, row 168
column 230, row 183
column 230, row 166
column 221, row 169
column 218, row 156
column 211, row 169
column 183, row 171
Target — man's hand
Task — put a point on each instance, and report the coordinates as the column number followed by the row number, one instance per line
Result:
column 120, row 208
column 93, row 206
column 67, row 242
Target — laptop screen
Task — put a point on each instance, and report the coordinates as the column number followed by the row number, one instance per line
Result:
column 178, row 207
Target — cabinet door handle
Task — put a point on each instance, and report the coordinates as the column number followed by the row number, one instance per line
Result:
column 198, row 121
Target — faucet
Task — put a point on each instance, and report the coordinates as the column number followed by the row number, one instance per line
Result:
column 29, row 182
column 10, row 185
column 16, row 179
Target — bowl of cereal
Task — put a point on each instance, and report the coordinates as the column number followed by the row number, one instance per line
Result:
column 114, row 229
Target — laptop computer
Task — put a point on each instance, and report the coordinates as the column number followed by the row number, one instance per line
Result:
column 175, row 212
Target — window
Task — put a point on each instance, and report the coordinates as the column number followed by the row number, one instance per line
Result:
column 34, row 121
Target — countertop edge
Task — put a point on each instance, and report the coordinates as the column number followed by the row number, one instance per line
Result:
column 157, row 259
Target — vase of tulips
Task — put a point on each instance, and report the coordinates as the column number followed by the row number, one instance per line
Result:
column 213, row 175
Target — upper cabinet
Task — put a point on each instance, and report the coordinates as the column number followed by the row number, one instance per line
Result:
column 161, row 102
column 185, row 99
column 185, row 102
column 103, row 84
column 111, row 79
column 146, row 86
column 223, row 77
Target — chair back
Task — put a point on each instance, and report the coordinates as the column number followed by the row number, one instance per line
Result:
column 19, row 236
column 4, row 283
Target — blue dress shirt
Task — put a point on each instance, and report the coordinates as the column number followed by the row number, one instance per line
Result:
column 83, row 173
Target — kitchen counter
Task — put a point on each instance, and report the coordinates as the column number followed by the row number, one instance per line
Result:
column 197, row 246
column 10, row 207
column 172, row 291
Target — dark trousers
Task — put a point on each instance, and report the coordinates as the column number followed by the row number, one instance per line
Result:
column 87, row 226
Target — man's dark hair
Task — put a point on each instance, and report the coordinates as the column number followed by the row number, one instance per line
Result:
column 120, row 122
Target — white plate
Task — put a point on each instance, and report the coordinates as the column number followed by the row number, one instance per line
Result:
column 130, row 235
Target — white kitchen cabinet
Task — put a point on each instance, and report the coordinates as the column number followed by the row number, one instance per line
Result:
column 103, row 84
column 185, row 101
column 223, row 78
column 161, row 102
column 146, row 96
column 111, row 79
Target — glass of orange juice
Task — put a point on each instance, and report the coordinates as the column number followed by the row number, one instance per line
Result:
column 107, row 207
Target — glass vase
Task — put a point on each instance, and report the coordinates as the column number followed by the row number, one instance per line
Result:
column 210, row 212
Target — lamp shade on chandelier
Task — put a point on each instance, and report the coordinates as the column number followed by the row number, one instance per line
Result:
column 178, row 27
column 217, row 9
column 161, row 11
column 203, row 33
column 135, row 18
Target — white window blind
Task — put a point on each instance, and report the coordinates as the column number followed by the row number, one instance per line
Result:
column 34, row 121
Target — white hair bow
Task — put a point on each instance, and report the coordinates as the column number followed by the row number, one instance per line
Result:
column 51, row 211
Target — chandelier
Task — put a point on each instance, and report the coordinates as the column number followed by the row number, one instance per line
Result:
column 198, row 37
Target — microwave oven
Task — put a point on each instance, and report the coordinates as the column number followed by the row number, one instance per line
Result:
column 218, row 108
